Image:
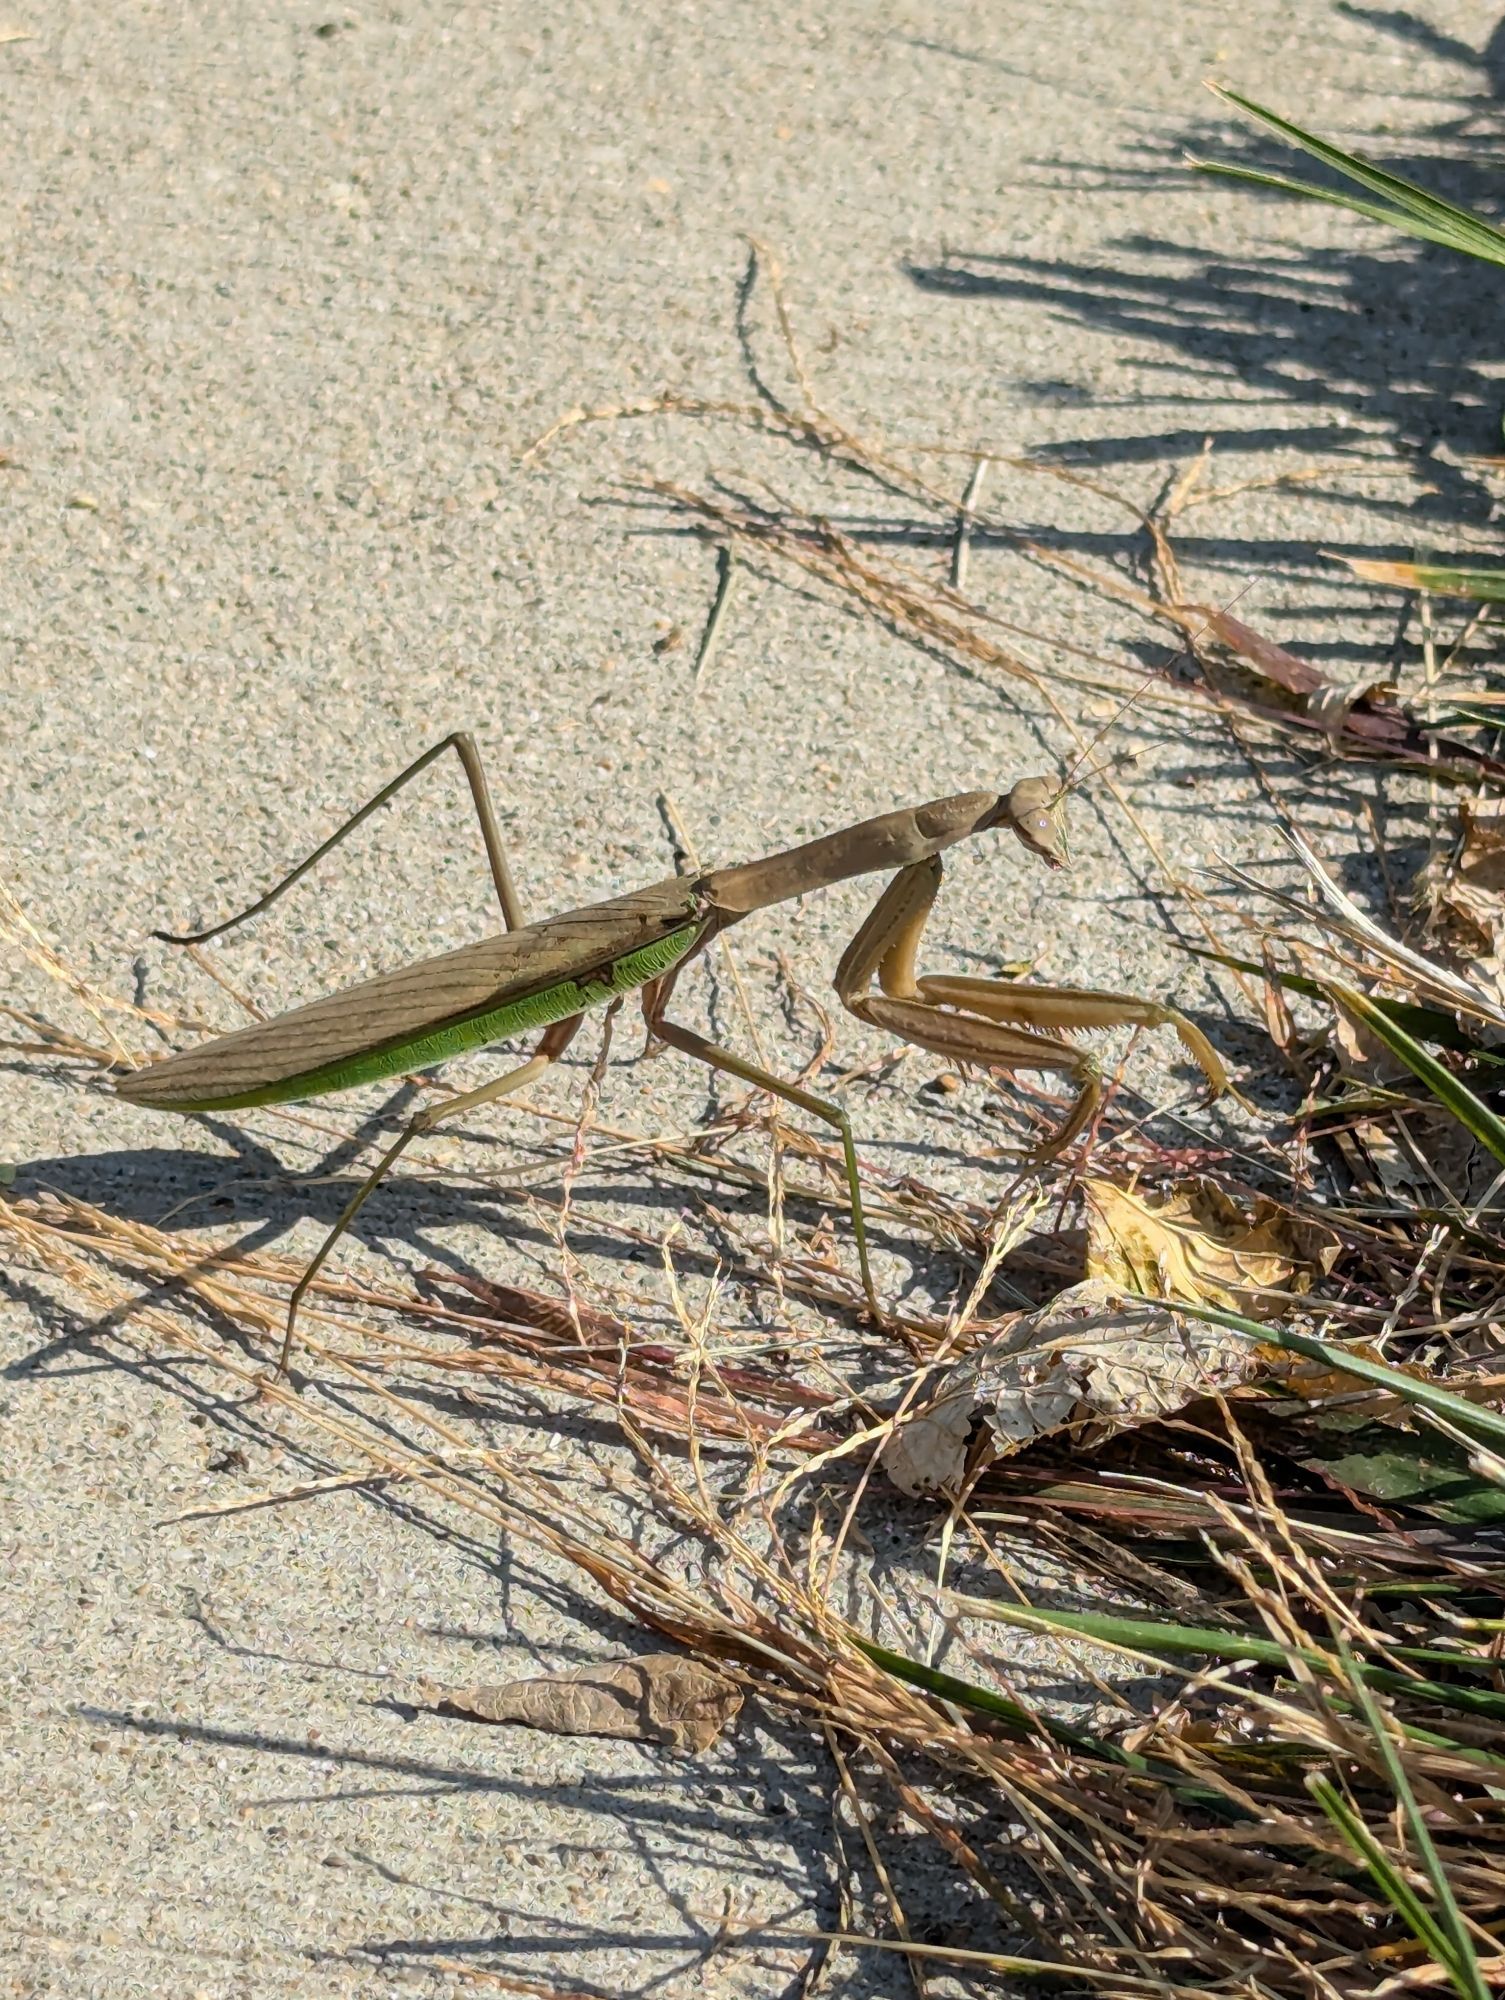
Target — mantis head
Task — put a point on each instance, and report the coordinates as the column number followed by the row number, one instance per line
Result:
column 1036, row 810
column 1036, row 807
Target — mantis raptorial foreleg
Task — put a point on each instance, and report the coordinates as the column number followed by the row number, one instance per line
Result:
column 688, row 1042
column 464, row 746
column 551, row 1046
column 964, row 1018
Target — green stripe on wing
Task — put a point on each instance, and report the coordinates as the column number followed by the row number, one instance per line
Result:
column 407, row 1053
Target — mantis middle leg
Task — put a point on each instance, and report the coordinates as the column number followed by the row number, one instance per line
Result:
column 967, row 1019
column 656, row 998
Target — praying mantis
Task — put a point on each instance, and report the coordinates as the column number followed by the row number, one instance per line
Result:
column 547, row 975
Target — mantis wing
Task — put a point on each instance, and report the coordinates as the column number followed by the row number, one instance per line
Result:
column 418, row 1014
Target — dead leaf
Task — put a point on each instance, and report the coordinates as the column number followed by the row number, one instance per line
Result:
column 927, row 1452
column 1419, row 1151
column 1091, row 1363
column 1399, row 1175
column 1332, row 706
column 1197, row 1243
column 1333, row 702
column 1362, row 1056
column 1274, row 662
column 657, row 1698
column 1095, row 1360
column 1472, row 899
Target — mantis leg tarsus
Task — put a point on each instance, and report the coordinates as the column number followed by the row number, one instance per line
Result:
column 552, row 1044
column 1088, row 1098
column 688, row 1042
column 965, row 1038
column 464, row 746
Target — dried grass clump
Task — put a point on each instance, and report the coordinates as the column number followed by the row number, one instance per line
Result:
column 1312, row 1565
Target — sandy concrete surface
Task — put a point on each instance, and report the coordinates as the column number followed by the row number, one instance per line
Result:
column 285, row 289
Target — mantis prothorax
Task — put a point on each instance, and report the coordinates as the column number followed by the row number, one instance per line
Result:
column 548, row 975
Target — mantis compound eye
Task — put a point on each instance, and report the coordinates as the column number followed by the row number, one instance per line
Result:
column 1034, row 812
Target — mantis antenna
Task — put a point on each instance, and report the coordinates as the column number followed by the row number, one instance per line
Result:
column 1122, row 710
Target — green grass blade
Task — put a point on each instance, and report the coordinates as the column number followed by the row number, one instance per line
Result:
column 1480, row 586
column 1393, row 1886
column 1392, row 218
column 1379, row 180
column 1429, row 1023
column 1473, row 1419
column 1401, row 205
column 1474, row 1115
column 986, row 1701
column 1151, row 1635
column 1457, row 1953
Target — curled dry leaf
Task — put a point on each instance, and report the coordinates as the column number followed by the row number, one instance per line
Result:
column 1432, row 1150
column 664, row 1698
column 1332, row 703
column 1091, row 1363
column 1472, row 900
column 1197, row 1243
column 927, row 1451
column 1399, row 1174
column 1362, row 1056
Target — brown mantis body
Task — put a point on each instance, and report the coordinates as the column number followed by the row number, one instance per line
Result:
column 548, row 975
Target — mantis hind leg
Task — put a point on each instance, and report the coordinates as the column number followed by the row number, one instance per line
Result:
column 991, row 1021
column 464, row 746
column 656, row 998
column 552, row 1044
